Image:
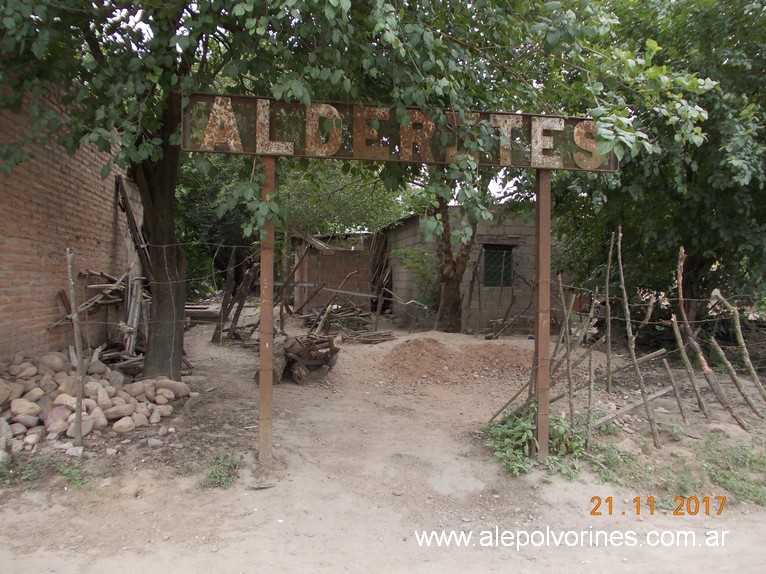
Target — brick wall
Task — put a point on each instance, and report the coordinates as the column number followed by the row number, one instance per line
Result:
column 47, row 204
column 331, row 266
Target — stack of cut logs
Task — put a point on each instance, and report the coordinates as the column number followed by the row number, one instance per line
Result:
column 320, row 320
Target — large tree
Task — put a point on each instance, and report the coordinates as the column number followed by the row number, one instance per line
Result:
column 561, row 58
column 706, row 192
column 122, row 71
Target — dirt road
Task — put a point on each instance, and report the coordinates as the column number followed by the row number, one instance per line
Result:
column 387, row 446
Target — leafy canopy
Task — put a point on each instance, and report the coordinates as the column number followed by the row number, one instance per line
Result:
column 700, row 186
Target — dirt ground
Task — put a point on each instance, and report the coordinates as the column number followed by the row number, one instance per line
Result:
column 388, row 444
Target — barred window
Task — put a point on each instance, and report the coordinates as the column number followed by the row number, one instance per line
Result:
column 498, row 265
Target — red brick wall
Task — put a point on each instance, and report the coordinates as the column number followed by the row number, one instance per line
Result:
column 331, row 266
column 47, row 204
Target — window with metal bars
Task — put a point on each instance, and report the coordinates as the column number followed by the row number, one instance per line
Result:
column 498, row 265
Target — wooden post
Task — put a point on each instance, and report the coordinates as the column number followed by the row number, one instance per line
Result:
column 543, row 320
column 78, row 347
column 265, row 398
column 609, row 318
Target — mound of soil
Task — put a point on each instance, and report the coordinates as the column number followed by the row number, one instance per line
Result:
column 433, row 360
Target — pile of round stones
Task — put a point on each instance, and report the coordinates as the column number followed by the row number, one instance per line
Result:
column 37, row 401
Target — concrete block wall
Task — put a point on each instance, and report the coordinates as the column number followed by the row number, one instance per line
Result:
column 406, row 234
column 487, row 303
column 47, row 204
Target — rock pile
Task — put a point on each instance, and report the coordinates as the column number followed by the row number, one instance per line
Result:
column 37, row 400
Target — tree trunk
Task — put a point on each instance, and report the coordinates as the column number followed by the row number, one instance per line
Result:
column 164, row 350
column 695, row 288
column 156, row 181
column 451, row 270
column 450, row 309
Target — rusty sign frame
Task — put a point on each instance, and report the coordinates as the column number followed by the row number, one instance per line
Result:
column 253, row 125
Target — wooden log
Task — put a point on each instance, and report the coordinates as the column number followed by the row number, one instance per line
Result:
column 567, row 358
column 242, row 293
column 65, row 301
column 741, row 342
column 89, row 304
column 609, row 318
column 78, row 351
column 139, row 240
column 734, row 377
column 643, row 402
column 676, row 390
column 688, row 367
column 328, row 307
column 314, row 294
column 707, row 372
column 228, row 297
column 589, row 413
column 632, row 344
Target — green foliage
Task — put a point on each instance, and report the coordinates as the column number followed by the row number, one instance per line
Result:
column 125, row 70
column 513, row 438
column 681, row 481
column 225, row 469
column 421, row 263
column 606, row 462
column 703, row 159
column 674, row 430
column 735, row 467
column 563, row 438
column 73, row 474
column 568, row 467
column 208, row 238
column 20, row 470
column 317, row 197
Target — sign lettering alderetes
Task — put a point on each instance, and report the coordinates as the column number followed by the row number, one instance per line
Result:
column 261, row 126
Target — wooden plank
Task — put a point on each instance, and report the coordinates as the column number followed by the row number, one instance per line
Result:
column 135, row 232
column 65, row 301
column 633, row 407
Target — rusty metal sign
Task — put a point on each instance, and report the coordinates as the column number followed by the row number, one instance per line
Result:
column 261, row 126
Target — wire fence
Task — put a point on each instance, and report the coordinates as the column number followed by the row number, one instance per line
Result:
column 212, row 278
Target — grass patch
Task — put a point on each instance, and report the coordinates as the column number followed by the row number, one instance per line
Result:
column 734, row 467
column 739, row 468
column 73, row 474
column 225, row 469
column 19, row 469
column 606, row 462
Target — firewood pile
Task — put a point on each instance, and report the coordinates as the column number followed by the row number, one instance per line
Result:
column 366, row 337
column 350, row 321
column 308, row 353
column 300, row 357
column 334, row 317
